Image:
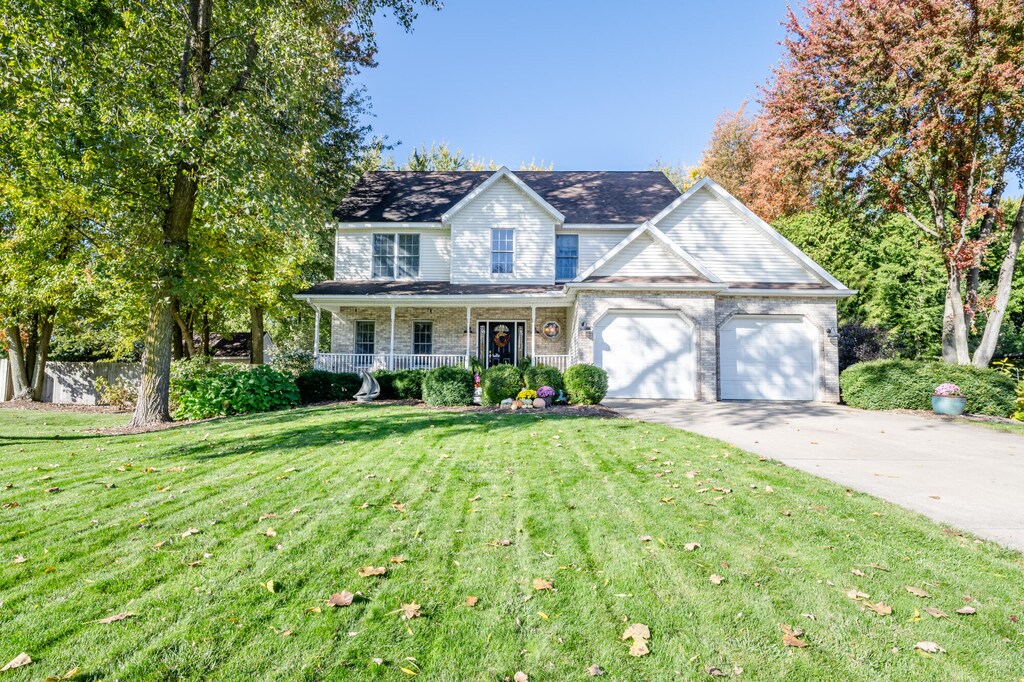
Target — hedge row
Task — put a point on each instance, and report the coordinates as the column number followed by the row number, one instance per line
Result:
column 908, row 384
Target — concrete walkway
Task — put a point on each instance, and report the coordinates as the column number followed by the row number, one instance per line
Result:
column 966, row 476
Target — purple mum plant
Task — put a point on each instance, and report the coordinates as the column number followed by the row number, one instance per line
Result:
column 545, row 392
column 948, row 391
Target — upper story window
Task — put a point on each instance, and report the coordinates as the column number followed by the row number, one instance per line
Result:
column 567, row 256
column 396, row 256
column 502, row 256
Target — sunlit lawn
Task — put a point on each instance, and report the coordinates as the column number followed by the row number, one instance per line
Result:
column 574, row 496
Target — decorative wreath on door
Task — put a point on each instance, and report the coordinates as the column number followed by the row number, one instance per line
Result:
column 501, row 336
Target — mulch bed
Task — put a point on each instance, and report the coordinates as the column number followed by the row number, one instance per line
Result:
column 59, row 407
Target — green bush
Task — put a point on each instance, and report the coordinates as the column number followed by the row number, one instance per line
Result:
column 585, row 384
column 543, row 375
column 448, row 387
column 401, row 384
column 500, row 382
column 908, row 384
column 318, row 386
column 202, row 389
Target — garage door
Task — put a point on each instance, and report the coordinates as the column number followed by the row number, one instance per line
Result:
column 768, row 359
column 646, row 355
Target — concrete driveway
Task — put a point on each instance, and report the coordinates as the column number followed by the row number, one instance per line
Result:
column 966, row 476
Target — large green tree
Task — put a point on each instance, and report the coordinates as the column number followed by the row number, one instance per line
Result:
column 213, row 124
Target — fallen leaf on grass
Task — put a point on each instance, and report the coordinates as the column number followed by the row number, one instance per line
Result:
column 471, row 600
column 917, row 591
column 879, row 568
column 474, row 498
column 269, row 532
column 190, row 531
column 18, row 559
column 20, row 661
column 690, row 546
column 521, row 677
column 966, row 611
column 935, row 613
column 113, row 619
column 645, row 538
column 10, row 505
column 716, row 579
column 930, row 647
column 343, row 598
column 313, row 609
column 504, row 542
column 639, row 633
column 855, row 594
column 398, row 506
column 789, row 630
column 408, row 672
column 410, row 611
column 66, row 676
column 541, row 584
column 714, row 671
column 859, row 573
column 367, row 571
column 595, row 670
column 880, row 608
column 271, row 515
column 398, row 559
column 269, row 585
column 791, row 640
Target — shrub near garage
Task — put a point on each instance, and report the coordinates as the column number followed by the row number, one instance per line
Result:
column 908, row 385
column 586, row 384
column 448, row 387
column 500, row 382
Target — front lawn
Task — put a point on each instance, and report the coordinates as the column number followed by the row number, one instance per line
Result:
column 190, row 528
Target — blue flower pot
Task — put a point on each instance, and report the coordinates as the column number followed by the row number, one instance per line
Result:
column 951, row 405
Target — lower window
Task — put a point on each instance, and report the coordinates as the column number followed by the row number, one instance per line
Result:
column 422, row 338
column 364, row 337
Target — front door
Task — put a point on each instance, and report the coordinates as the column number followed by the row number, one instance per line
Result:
column 501, row 343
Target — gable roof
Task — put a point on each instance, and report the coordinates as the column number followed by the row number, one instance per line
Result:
column 784, row 244
column 503, row 172
column 656, row 235
column 605, row 197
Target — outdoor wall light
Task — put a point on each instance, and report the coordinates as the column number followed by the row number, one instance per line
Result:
column 832, row 332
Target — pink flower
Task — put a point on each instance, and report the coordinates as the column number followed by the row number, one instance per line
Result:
column 948, row 391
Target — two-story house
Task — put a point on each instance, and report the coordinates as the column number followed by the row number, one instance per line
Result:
column 687, row 296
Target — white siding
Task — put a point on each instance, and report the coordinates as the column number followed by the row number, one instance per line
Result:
column 645, row 257
column 594, row 244
column 728, row 244
column 353, row 251
column 503, row 205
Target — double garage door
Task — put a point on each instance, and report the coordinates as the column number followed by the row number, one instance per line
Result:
column 651, row 355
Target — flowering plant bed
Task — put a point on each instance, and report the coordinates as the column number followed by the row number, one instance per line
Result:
column 948, row 391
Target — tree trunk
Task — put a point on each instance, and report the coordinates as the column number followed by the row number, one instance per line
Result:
column 206, row 335
column 948, row 331
column 154, row 389
column 42, row 351
column 955, row 304
column 983, row 354
column 177, row 347
column 256, row 329
column 19, row 369
column 974, row 273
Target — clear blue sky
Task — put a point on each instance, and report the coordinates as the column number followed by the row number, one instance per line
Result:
column 584, row 85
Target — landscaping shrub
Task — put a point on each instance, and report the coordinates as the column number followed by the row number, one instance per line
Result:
column 120, row 394
column 202, row 389
column 500, row 382
column 908, row 384
column 448, row 387
column 401, row 384
column 293, row 361
column 585, row 384
column 317, row 386
column 408, row 384
column 543, row 375
column 860, row 342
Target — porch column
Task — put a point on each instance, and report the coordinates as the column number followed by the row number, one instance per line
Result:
column 316, row 335
column 533, row 335
column 469, row 326
column 391, row 348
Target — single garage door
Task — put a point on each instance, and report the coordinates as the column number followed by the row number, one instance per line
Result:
column 768, row 359
column 646, row 355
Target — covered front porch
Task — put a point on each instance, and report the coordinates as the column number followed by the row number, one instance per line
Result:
column 411, row 335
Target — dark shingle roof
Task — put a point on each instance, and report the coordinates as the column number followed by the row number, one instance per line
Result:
column 612, row 197
column 362, row 287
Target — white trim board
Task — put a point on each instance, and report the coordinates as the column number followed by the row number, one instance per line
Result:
column 502, row 172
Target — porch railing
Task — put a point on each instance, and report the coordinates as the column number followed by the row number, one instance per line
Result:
column 559, row 362
column 351, row 362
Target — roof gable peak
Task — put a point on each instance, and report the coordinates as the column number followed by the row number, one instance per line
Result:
column 507, row 174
